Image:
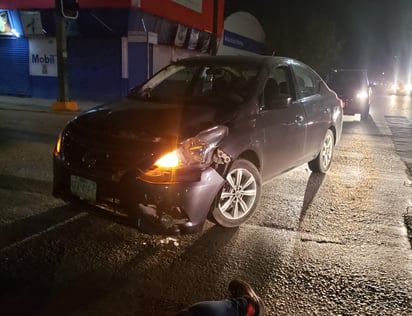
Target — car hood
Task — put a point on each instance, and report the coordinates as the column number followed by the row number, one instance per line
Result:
column 130, row 134
column 140, row 120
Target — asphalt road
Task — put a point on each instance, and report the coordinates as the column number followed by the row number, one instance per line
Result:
column 318, row 245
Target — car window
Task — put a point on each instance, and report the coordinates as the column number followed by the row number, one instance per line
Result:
column 278, row 85
column 217, row 81
column 175, row 84
column 198, row 83
column 281, row 75
column 305, row 81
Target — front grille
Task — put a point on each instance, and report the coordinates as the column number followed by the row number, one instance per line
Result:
column 99, row 153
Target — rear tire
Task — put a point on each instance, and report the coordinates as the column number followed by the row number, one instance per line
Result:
column 323, row 160
column 240, row 195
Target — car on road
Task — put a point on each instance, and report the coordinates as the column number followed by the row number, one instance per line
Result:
column 197, row 141
column 353, row 87
column 401, row 88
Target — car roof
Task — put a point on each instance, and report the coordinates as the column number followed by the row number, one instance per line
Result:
column 254, row 59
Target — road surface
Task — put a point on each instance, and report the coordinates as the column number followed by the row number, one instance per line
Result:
column 317, row 245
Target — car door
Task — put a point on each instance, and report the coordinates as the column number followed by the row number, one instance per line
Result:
column 283, row 123
column 316, row 108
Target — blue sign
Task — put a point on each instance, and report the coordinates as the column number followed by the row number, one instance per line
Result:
column 240, row 42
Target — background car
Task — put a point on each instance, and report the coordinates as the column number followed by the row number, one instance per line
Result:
column 401, row 88
column 353, row 87
column 197, row 141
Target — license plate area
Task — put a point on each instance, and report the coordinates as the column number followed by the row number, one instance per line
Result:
column 84, row 188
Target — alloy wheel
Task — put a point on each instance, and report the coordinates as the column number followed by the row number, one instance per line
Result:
column 238, row 195
column 327, row 150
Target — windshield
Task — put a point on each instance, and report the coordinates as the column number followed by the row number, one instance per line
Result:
column 196, row 83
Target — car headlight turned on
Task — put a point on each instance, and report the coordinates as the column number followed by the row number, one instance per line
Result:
column 362, row 95
column 57, row 148
column 170, row 160
column 193, row 153
column 408, row 88
column 395, row 87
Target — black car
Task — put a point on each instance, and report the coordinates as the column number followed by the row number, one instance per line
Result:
column 197, row 141
column 353, row 87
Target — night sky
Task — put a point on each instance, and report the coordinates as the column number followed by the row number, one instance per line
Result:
column 371, row 34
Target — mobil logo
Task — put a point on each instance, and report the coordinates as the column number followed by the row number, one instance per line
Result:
column 43, row 59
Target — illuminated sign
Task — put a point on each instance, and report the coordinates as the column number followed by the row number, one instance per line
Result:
column 43, row 57
column 5, row 26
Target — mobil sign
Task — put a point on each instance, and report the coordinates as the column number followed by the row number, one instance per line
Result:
column 43, row 57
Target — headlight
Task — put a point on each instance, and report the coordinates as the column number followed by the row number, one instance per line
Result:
column 362, row 95
column 408, row 88
column 195, row 151
column 57, row 148
column 170, row 160
column 395, row 87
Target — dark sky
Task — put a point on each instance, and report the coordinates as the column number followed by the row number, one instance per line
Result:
column 375, row 34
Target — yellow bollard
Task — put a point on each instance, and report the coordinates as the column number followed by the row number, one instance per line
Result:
column 65, row 106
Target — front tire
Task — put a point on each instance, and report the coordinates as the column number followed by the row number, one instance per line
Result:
column 240, row 195
column 323, row 160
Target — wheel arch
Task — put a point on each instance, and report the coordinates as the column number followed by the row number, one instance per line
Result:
column 251, row 156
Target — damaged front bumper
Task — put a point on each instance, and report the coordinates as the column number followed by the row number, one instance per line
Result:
column 159, row 208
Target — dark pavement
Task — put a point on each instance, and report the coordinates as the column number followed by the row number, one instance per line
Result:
column 330, row 245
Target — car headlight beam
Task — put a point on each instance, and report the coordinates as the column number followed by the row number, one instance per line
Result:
column 362, row 95
column 170, row 160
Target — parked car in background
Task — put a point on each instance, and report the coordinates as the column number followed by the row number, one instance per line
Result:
column 197, row 141
column 353, row 87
